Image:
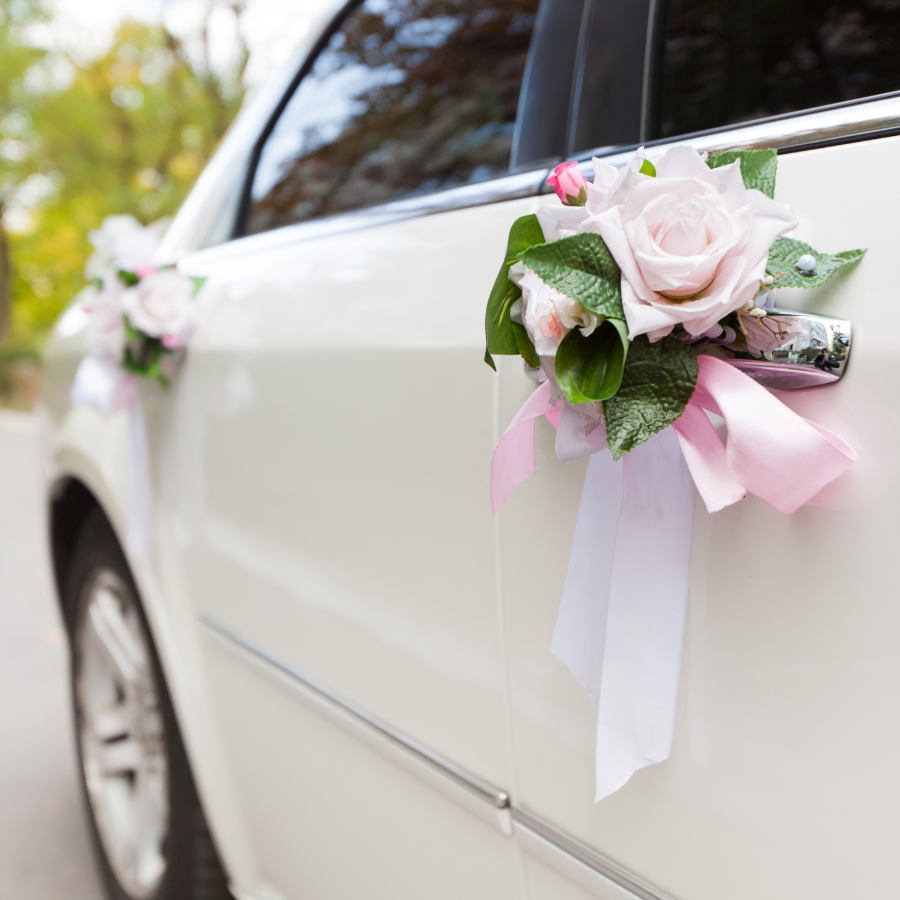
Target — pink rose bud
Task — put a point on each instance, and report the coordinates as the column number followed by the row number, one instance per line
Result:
column 570, row 185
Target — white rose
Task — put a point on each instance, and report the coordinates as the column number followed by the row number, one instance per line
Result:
column 105, row 324
column 103, row 240
column 122, row 242
column 160, row 305
column 136, row 251
column 548, row 315
column 692, row 242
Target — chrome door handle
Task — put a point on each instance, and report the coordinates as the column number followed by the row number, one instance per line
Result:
column 815, row 356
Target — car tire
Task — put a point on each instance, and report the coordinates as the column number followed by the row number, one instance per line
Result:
column 146, row 821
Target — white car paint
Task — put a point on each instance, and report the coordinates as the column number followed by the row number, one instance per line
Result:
column 320, row 485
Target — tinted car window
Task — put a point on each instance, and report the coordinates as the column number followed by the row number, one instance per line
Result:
column 728, row 61
column 406, row 97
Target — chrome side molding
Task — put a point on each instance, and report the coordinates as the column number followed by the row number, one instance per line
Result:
column 482, row 193
column 496, row 798
column 594, row 861
column 855, row 120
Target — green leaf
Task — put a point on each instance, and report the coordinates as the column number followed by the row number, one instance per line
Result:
column 580, row 200
column 128, row 278
column 526, row 348
column 498, row 327
column 657, row 384
column 783, row 257
column 647, row 168
column 143, row 356
column 590, row 368
column 757, row 167
column 198, row 282
column 131, row 333
column 581, row 267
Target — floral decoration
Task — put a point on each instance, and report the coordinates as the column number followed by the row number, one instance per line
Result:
column 140, row 315
column 614, row 293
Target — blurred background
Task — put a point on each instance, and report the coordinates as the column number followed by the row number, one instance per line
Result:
column 110, row 106
column 106, row 106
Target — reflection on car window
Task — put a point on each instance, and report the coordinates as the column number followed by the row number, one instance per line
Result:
column 726, row 61
column 408, row 96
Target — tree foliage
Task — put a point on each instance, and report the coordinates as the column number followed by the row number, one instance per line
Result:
column 128, row 131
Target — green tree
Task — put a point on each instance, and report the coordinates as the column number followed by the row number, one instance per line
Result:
column 126, row 132
column 16, row 58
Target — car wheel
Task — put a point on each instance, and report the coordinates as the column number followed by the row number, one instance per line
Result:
column 148, row 827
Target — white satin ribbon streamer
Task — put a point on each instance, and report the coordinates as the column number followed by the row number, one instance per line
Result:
column 138, row 524
column 620, row 625
column 621, row 620
column 103, row 385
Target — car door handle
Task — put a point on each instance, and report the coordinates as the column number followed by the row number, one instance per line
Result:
column 815, row 355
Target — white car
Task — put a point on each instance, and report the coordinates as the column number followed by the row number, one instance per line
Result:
column 329, row 676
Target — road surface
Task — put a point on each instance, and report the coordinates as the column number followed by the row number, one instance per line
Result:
column 44, row 849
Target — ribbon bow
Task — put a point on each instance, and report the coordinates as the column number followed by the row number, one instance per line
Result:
column 621, row 618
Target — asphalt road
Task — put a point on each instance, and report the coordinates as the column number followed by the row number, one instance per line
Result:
column 44, row 850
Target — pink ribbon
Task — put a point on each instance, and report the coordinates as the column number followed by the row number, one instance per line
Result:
column 513, row 459
column 770, row 451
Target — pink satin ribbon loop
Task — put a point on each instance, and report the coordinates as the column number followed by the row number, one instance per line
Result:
column 770, row 451
column 513, row 459
column 705, row 456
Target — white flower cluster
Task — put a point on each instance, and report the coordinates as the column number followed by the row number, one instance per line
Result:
column 692, row 243
column 158, row 305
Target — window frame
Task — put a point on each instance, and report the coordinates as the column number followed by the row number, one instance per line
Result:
column 865, row 118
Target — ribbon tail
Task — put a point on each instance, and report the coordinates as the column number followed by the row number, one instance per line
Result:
column 580, row 633
column 138, row 522
column 513, row 459
column 641, row 657
column 102, row 385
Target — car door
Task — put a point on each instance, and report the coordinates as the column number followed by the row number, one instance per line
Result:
column 324, row 473
column 782, row 781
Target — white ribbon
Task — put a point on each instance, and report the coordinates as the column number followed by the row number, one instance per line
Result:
column 103, row 385
column 620, row 625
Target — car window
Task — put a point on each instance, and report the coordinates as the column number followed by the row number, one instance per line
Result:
column 407, row 96
column 725, row 61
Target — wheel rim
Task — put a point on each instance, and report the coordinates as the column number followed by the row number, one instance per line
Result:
column 122, row 735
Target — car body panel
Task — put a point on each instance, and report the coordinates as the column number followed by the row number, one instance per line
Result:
column 320, row 486
column 782, row 767
column 324, row 502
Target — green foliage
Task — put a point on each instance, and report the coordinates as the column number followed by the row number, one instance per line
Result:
column 127, row 132
column 526, row 348
column 657, row 384
column 758, row 167
column 581, row 267
column 783, row 257
column 503, row 336
column 144, row 355
column 580, row 200
column 647, row 168
column 590, row 368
